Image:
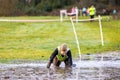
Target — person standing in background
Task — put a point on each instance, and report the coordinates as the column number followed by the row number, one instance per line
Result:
column 92, row 12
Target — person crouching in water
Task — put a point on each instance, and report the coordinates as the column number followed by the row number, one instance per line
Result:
column 61, row 54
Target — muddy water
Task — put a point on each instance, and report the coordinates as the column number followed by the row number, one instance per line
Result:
column 92, row 67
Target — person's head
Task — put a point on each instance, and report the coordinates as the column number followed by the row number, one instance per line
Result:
column 92, row 5
column 63, row 49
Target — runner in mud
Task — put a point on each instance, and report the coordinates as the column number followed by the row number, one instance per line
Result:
column 61, row 54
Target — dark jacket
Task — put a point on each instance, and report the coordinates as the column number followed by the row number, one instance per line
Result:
column 55, row 53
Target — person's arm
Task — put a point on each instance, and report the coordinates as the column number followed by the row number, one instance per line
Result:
column 52, row 57
column 69, row 57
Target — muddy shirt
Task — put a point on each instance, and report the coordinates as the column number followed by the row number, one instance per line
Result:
column 61, row 57
column 55, row 53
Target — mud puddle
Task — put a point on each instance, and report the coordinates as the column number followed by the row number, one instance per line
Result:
column 92, row 67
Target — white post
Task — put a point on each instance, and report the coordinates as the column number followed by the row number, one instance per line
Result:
column 101, row 33
column 80, row 12
column 76, row 38
column 61, row 16
column 65, row 13
column 62, row 12
column 76, row 10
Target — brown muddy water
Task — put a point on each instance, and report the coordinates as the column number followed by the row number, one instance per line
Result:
column 91, row 67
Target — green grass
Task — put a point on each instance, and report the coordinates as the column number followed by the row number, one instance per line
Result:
column 36, row 41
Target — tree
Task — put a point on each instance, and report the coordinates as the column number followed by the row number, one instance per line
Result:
column 112, row 2
column 117, row 2
column 41, row 7
column 7, row 7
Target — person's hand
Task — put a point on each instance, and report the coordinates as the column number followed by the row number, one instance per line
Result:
column 48, row 65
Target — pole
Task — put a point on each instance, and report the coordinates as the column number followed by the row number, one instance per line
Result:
column 61, row 16
column 76, row 38
column 101, row 33
column 76, row 14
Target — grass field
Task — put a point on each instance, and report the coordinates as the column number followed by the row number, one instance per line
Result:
column 36, row 41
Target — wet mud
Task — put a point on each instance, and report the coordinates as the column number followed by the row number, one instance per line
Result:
column 41, row 73
column 106, row 67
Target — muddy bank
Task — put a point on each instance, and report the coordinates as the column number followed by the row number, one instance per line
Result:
column 41, row 73
column 92, row 67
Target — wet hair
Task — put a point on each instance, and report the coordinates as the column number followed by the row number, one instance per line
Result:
column 63, row 47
